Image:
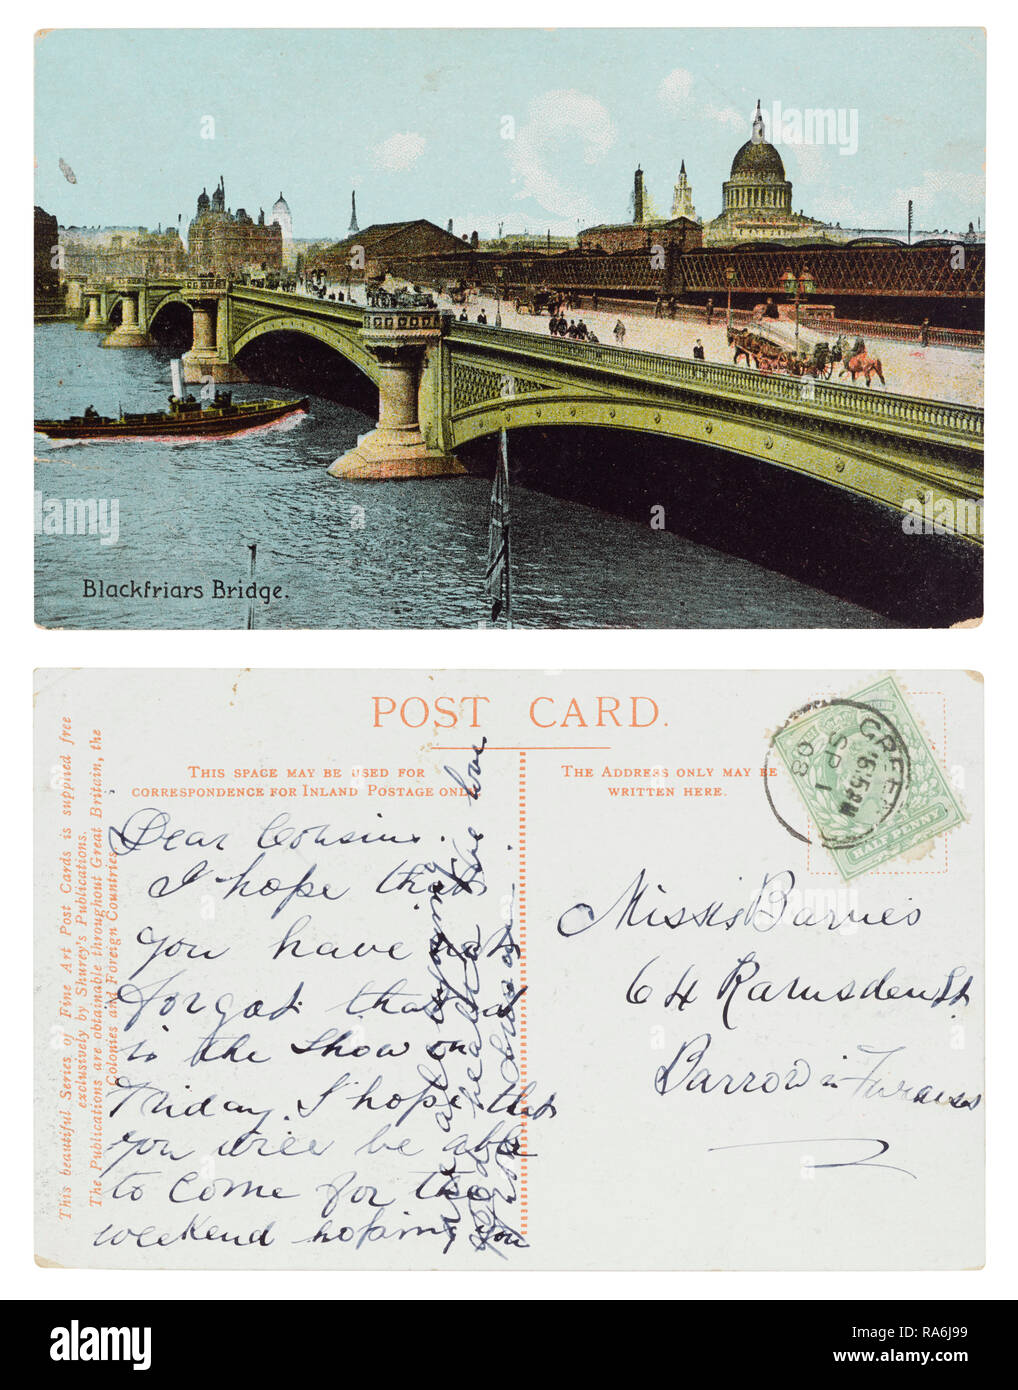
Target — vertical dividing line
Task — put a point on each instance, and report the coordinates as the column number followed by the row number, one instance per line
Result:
column 521, row 917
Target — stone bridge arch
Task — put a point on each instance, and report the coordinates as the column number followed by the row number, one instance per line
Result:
column 348, row 346
column 156, row 307
column 879, row 468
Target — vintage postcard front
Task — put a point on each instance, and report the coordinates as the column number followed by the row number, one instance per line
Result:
column 509, row 970
column 706, row 304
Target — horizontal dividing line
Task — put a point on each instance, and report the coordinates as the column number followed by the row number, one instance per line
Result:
column 524, row 747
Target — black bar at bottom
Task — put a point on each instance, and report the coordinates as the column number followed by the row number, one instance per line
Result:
column 218, row 1341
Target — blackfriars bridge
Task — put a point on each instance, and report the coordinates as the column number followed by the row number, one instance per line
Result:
column 442, row 384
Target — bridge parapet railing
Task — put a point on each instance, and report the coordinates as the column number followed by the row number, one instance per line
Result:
column 800, row 393
column 337, row 308
column 903, row 332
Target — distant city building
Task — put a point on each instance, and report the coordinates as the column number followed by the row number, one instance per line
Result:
column 223, row 242
column 281, row 216
column 133, row 252
column 46, row 272
column 680, row 233
column 758, row 200
column 640, row 212
column 528, row 241
column 756, row 207
column 382, row 244
column 682, row 197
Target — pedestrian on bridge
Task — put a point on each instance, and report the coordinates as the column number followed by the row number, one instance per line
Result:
column 620, row 332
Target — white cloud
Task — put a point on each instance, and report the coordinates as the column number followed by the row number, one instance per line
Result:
column 552, row 118
column 400, row 152
column 964, row 193
column 676, row 90
column 812, row 161
column 725, row 115
column 945, row 201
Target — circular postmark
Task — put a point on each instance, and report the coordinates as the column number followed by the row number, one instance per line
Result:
column 851, row 767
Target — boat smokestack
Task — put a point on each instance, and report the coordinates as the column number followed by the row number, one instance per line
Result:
column 178, row 390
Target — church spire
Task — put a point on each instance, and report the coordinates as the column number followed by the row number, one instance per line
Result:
column 682, row 197
column 353, row 212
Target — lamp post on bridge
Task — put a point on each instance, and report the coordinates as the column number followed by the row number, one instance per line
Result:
column 799, row 286
column 730, row 278
column 499, row 273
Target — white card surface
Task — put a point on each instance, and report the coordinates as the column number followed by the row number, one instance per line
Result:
column 509, row 970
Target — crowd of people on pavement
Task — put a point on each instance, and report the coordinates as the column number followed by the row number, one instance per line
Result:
column 561, row 327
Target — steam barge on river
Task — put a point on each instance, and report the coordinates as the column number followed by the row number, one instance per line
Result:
column 186, row 417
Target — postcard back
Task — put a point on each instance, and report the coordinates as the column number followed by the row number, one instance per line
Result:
column 509, row 970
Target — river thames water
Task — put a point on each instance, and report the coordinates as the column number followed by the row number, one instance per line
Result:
column 346, row 554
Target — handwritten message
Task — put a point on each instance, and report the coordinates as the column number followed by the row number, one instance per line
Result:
column 344, row 1058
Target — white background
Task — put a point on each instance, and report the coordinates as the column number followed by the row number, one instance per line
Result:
column 989, row 649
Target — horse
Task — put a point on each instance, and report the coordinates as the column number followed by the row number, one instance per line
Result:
column 845, row 350
column 862, row 364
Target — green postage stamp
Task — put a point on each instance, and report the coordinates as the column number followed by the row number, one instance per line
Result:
column 868, row 777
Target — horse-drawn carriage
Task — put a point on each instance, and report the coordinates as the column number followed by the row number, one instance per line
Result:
column 534, row 301
column 771, row 346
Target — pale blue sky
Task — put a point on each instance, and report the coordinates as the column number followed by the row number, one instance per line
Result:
column 414, row 119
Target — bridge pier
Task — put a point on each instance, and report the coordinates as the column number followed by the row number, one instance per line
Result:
column 94, row 321
column 398, row 339
column 208, row 358
column 129, row 333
